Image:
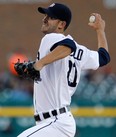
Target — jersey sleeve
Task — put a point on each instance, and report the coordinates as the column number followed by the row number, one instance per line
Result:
column 67, row 42
column 90, row 59
column 104, row 57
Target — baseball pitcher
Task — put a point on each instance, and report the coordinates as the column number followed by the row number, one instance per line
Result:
column 57, row 69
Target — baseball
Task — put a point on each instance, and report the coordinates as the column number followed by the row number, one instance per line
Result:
column 92, row 19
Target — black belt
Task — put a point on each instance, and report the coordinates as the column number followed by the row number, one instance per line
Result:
column 53, row 112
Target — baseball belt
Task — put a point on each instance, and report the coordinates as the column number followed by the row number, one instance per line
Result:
column 53, row 113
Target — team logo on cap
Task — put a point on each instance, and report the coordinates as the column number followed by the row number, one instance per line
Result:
column 52, row 5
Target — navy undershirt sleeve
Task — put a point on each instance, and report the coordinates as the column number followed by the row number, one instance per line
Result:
column 67, row 42
column 104, row 57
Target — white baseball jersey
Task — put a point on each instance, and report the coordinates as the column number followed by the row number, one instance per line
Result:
column 60, row 78
column 59, row 82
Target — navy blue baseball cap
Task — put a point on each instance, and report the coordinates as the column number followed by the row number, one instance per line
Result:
column 58, row 11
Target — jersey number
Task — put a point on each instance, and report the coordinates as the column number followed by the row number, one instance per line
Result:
column 72, row 66
column 38, row 55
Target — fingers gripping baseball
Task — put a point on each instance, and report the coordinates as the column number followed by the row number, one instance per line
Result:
column 26, row 70
column 96, row 22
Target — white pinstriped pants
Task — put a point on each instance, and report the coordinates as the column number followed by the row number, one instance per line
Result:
column 62, row 125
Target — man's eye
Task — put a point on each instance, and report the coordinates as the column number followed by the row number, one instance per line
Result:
column 52, row 18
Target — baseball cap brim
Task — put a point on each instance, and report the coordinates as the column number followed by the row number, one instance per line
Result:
column 46, row 11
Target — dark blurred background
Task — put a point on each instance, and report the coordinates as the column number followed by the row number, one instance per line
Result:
column 20, row 37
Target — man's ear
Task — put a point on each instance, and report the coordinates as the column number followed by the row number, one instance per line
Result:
column 62, row 25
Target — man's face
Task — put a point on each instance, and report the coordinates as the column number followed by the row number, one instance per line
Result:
column 51, row 25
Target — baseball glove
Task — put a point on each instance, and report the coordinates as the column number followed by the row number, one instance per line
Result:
column 26, row 70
